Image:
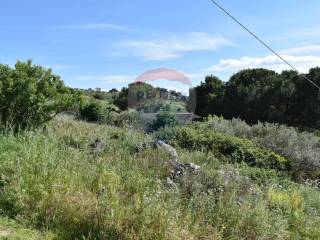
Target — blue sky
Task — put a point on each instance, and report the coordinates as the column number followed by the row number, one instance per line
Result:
column 106, row 44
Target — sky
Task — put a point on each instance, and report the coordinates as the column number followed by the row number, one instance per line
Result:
column 107, row 44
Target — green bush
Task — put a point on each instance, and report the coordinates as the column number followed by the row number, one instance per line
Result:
column 30, row 96
column 167, row 133
column 233, row 149
column 97, row 111
column 129, row 118
column 164, row 119
column 302, row 148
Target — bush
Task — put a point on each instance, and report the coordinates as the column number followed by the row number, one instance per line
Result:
column 92, row 112
column 131, row 119
column 233, row 149
column 30, row 96
column 164, row 119
column 166, row 134
column 302, row 148
column 97, row 111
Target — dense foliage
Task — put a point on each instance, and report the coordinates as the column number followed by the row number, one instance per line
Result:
column 233, row 149
column 164, row 119
column 30, row 96
column 303, row 148
column 97, row 111
column 240, row 142
column 263, row 95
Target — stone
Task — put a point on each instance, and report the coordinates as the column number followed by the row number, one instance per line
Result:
column 177, row 169
column 97, row 146
column 169, row 149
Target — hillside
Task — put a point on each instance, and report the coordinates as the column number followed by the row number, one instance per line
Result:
column 58, row 181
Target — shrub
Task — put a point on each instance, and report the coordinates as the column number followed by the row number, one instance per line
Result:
column 131, row 119
column 97, row 111
column 30, row 96
column 92, row 112
column 266, row 177
column 167, row 133
column 231, row 148
column 164, row 119
column 302, row 148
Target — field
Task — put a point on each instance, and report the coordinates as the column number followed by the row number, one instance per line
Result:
column 53, row 182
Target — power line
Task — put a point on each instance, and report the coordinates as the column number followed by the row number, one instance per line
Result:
column 262, row 42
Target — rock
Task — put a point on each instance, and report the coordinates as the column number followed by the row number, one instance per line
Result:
column 192, row 167
column 169, row 182
column 170, row 150
column 97, row 146
column 178, row 169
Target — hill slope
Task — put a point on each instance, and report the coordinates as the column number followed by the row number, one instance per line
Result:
column 55, row 180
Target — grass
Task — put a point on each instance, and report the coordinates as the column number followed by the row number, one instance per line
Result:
column 50, row 181
column 10, row 230
column 176, row 107
column 158, row 105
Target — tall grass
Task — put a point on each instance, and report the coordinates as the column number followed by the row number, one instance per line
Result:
column 51, row 181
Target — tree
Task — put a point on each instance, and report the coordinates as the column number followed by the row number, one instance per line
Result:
column 121, row 101
column 31, row 95
column 262, row 95
column 252, row 95
column 164, row 119
column 209, row 96
column 305, row 109
column 113, row 90
column 285, row 107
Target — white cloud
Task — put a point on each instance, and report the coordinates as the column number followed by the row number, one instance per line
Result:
column 94, row 26
column 310, row 49
column 174, row 46
column 298, row 33
column 302, row 63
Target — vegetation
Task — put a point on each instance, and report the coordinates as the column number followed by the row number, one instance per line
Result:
column 10, row 230
column 262, row 95
column 97, row 174
column 144, row 97
column 232, row 148
column 302, row 148
column 164, row 119
column 30, row 96
column 51, row 181
column 97, row 111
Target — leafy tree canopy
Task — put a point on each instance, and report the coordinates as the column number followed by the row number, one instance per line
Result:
column 31, row 95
